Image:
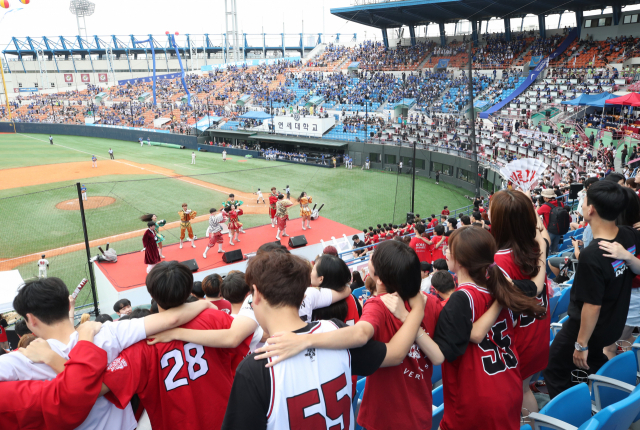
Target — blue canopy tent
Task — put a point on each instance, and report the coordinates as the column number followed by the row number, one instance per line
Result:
column 255, row 115
column 601, row 102
column 589, row 100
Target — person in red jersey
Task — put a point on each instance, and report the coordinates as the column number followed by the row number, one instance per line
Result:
column 481, row 381
column 394, row 397
column 212, row 287
column 421, row 245
column 439, row 241
column 445, row 211
column 514, row 222
column 273, row 199
column 165, row 375
column 38, row 404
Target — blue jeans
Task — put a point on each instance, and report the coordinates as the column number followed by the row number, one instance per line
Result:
column 555, row 241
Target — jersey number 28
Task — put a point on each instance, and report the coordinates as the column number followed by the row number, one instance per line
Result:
column 196, row 365
column 334, row 407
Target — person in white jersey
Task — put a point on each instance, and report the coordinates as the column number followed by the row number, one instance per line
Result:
column 43, row 266
column 44, row 304
column 224, row 155
column 83, row 191
column 193, row 158
column 245, row 323
column 50, row 139
column 259, row 194
column 288, row 395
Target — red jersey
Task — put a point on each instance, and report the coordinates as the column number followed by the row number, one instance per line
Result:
column 273, row 199
column 179, row 384
column 223, row 305
column 445, row 212
column 37, row 404
column 404, row 389
column 422, row 248
column 352, row 311
column 531, row 335
column 484, row 378
column 375, row 239
column 436, row 253
column 3, row 330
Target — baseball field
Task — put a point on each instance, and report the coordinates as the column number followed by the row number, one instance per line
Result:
column 39, row 208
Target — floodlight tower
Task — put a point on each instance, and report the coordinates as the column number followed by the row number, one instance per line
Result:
column 232, row 37
column 82, row 9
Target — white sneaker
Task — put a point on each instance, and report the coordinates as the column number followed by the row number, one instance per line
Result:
column 204, row 255
column 242, row 231
column 277, row 238
column 285, row 234
column 180, row 245
column 193, row 244
column 162, row 256
column 231, row 243
column 237, row 240
column 221, row 251
column 309, row 227
column 303, row 228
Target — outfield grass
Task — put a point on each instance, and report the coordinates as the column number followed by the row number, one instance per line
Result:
column 31, row 223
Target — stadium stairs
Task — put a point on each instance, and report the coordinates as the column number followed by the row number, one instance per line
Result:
column 573, row 34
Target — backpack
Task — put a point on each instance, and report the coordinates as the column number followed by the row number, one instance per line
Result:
column 559, row 220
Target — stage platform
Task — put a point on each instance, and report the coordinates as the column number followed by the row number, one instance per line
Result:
column 126, row 277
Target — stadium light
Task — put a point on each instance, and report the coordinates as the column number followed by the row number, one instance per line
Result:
column 82, row 9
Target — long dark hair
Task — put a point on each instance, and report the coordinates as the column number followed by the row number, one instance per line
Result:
column 147, row 217
column 357, row 278
column 336, row 276
column 301, row 195
column 631, row 213
column 513, row 225
column 473, row 248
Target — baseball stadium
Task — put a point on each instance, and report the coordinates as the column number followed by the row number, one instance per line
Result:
column 126, row 151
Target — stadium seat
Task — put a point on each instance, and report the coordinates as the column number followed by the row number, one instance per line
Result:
column 636, row 351
column 437, row 375
column 555, row 327
column 438, row 408
column 562, row 306
column 358, row 292
column 618, row 416
column 621, row 368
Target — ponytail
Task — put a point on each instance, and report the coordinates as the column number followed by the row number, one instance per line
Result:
column 511, row 297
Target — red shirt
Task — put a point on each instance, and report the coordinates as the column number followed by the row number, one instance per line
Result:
column 352, row 311
column 445, row 212
column 422, row 248
column 531, row 335
column 179, row 384
column 465, row 380
column 3, row 331
column 223, row 305
column 404, row 389
column 374, row 238
column 436, row 253
column 545, row 210
column 38, row 404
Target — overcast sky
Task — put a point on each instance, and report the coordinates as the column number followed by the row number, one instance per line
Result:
column 124, row 17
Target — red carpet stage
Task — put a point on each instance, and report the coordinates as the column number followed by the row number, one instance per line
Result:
column 130, row 272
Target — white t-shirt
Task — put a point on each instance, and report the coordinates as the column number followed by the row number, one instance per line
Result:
column 42, row 263
column 112, row 338
column 256, row 339
column 314, row 298
column 425, row 285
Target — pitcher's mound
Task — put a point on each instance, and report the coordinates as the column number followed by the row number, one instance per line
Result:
column 90, row 203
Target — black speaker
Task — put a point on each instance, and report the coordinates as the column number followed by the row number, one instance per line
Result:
column 410, row 217
column 232, row 256
column 574, row 189
column 524, row 111
column 297, row 241
column 191, row 264
column 548, row 114
column 371, row 134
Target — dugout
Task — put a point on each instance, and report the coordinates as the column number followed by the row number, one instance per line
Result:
column 310, row 146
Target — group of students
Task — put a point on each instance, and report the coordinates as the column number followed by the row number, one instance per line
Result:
column 295, row 340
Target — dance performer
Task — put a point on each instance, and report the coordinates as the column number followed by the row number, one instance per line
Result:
column 151, row 254
column 159, row 237
column 259, row 194
column 234, row 224
column 305, row 212
column 214, row 231
column 186, row 215
column 273, row 200
column 282, row 215
column 232, row 202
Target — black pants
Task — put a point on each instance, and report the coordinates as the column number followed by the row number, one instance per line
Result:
column 111, row 155
column 557, row 375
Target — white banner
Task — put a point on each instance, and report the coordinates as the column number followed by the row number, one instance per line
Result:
column 303, row 126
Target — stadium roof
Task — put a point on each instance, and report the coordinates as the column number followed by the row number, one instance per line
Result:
column 420, row 12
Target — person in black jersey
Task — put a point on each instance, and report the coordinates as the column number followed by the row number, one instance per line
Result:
column 601, row 290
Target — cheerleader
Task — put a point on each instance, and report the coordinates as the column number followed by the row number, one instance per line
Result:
column 234, row 224
column 305, row 212
column 214, row 231
column 159, row 238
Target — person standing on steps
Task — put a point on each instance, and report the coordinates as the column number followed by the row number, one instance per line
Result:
column 111, row 154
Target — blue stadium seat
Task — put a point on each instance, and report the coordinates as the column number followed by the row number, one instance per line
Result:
column 621, row 368
column 562, row 306
column 636, row 351
column 358, row 292
column 572, row 406
column 438, row 412
column 437, row 374
column 555, row 327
